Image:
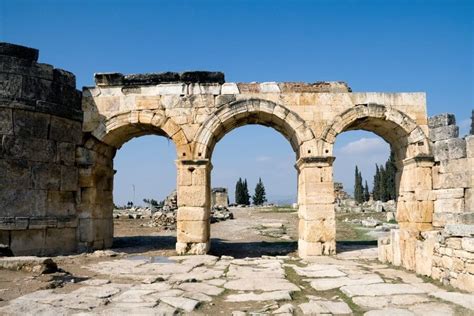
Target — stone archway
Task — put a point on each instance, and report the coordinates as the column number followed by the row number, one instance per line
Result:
column 194, row 175
column 96, row 173
column 414, row 163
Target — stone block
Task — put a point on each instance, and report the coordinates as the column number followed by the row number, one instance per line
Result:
column 61, row 203
column 229, row 88
column 449, row 206
column 60, row 240
column 444, row 132
column 34, row 149
column 464, row 281
column 23, row 202
column 11, row 86
column 69, row 178
column 28, row 242
column 193, row 214
column 449, row 193
column 395, row 243
column 452, row 180
column 317, row 230
column 14, row 174
column 42, row 222
column 30, row 124
column 461, row 230
column 198, row 196
column 13, row 223
column 469, row 200
column 440, row 120
column 469, row 146
column 65, row 130
column 66, row 153
column 449, row 149
column 467, row 244
column 92, row 229
column 424, row 253
column 6, row 121
column 46, row 176
column 316, row 211
column 193, row 231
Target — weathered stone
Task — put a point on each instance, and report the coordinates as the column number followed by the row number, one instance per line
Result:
column 444, row 132
column 465, row 300
column 182, row 303
column 440, row 120
column 380, row 289
column 265, row 296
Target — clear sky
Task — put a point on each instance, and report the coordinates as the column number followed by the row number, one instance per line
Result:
column 391, row 46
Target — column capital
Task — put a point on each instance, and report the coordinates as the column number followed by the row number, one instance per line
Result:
column 315, row 161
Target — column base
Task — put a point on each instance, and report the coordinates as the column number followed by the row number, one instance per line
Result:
column 309, row 249
column 193, row 248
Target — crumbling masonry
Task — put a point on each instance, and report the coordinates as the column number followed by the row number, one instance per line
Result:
column 58, row 145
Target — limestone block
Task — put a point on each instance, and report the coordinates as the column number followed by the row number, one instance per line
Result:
column 46, row 176
column 198, row 248
column 464, row 281
column 440, row 120
column 14, row 174
column 69, row 178
column 193, row 213
column 203, row 88
column 269, row 87
column 61, row 203
column 469, row 200
column 172, row 88
column 467, row 244
column 66, row 153
column 6, row 121
column 452, row 180
column 28, row 242
column 229, row 88
column 60, row 240
column 34, row 149
column 454, row 148
column 415, row 211
column 193, row 231
column 30, row 124
column 395, row 243
column 65, row 130
column 444, row 132
column 198, row 196
column 424, row 253
column 469, row 145
column 13, row 223
column 449, row 193
column 461, row 230
column 316, row 211
column 23, row 202
column 449, row 205
column 407, row 248
column 317, row 230
column 91, row 229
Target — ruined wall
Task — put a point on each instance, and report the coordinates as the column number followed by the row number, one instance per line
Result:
column 40, row 126
column 446, row 252
column 219, row 197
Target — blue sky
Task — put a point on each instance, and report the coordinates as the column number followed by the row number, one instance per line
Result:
column 373, row 45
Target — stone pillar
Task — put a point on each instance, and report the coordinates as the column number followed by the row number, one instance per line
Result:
column 415, row 205
column 193, row 222
column 317, row 225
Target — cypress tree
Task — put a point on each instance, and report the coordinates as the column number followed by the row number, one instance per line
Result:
column 358, row 188
column 245, row 193
column 390, row 174
column 238, row 192
column 382, row 184
column 375, row 188
column 259, row 197
column 366, row 192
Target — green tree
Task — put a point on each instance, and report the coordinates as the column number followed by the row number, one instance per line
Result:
column 375, row 187
column 358, row 188
column 259, row 197
column 239, row 192
column 366, row 192
column 389, row 179
column 245, row 193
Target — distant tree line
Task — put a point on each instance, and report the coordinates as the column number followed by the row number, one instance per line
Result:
column 242, row 195
column 383, row 186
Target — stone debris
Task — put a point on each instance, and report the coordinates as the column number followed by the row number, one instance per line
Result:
column 29, row 264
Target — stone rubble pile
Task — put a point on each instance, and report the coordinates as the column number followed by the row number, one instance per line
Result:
column 349, row 205
column 134, row 212
column 220, row 213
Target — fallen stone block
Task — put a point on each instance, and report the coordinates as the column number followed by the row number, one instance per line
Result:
column 29, row 264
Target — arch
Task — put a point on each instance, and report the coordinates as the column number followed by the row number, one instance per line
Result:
column 403, row 134
column 120, row 128
column 253, row 111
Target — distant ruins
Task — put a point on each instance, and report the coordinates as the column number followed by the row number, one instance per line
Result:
column 58, row 145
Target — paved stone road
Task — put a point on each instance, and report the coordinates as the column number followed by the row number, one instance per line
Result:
column 352, row 282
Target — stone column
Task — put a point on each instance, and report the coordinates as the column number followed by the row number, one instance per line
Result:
column 415, row 206
column 193, row 226
column 317, row 225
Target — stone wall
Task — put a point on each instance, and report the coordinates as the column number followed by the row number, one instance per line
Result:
column 40, row 126
column 219, row 197
column 446, row 252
